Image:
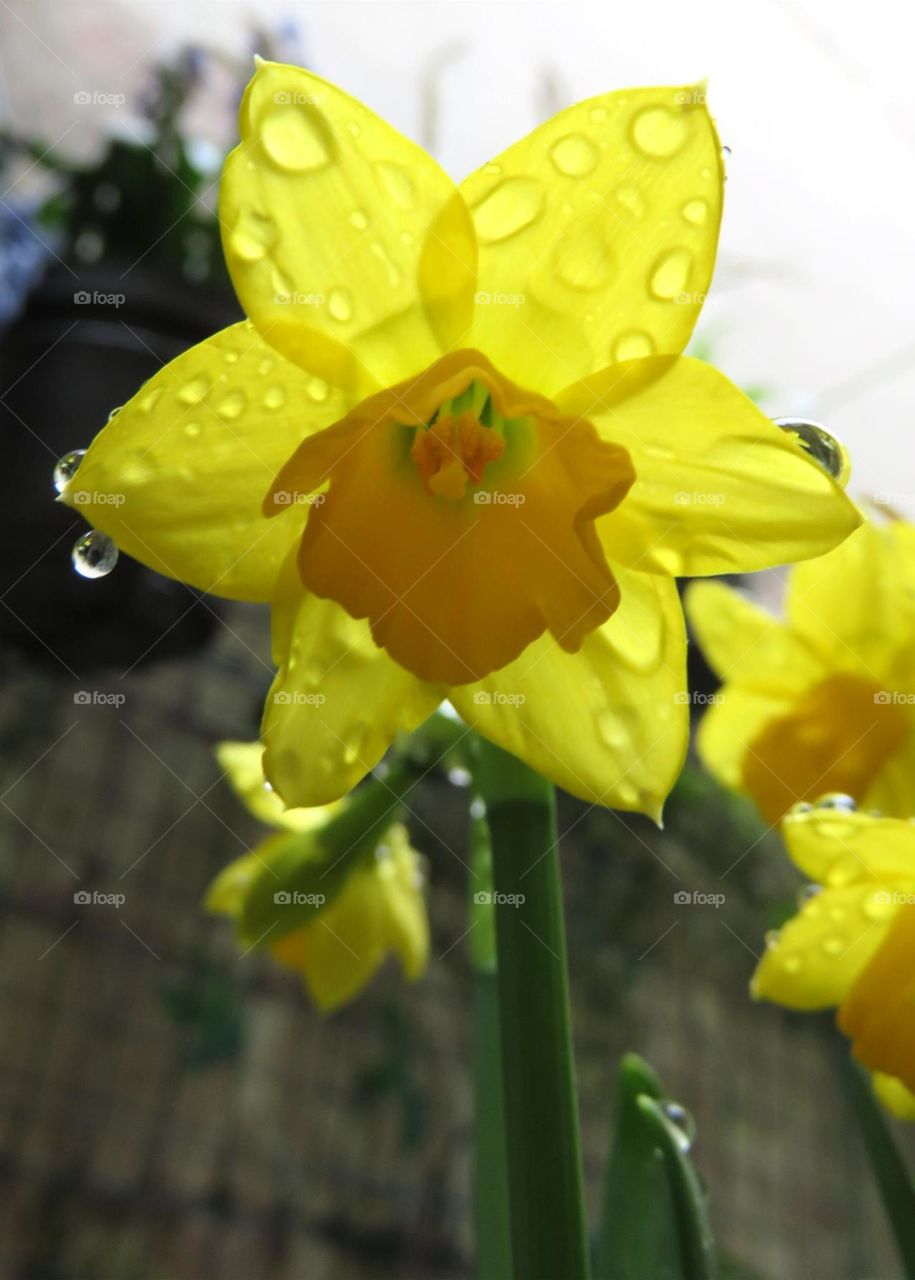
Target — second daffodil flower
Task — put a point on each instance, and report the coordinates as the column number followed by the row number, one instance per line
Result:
column 455, row 444
column 823, row 699
column 376, row 911
column 852, row 943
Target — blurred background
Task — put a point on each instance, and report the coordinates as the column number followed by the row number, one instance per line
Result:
column 168, row 1109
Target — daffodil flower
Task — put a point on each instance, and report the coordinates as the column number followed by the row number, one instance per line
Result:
column 824, row 699
column 378, row 911
column 852, row 943
column 455, row 444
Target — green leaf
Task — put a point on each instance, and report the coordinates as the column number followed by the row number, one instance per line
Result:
column 653, row 1220
column 892, row 1175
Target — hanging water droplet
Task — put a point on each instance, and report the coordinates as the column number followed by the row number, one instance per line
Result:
column 67, row 467
column 836, row 800
column 460, row 777
column 821, row 446
column 94, row 554
column 802, row 806
column 807, row 893
column 683, row 1122
column 114, row 413
column 478, row 808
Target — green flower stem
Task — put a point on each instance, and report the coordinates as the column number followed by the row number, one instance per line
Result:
column 490, row 1174
column 894, row 1181
column 548, row 1231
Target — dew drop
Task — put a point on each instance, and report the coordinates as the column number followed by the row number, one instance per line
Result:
column 114, row 413
column 340, row 305
column 611, row 729
column 821, row 446
column 695, row 213
column 802, row 806
column 66, row 468
column 583, row 261
column 274, row 397
column 148, row 403
column 683, row 1122
column 318, row 389
column 392, row 271
column 231, row 357
column 232, row 405
column 194, row 391
column 192, row 429
column 670, row 274
column 459, row 777
column 296, row 138
column 478, row 808
column 633, row 345
column 836, row 800
column 358, row 220
column 792, row 964
column 771, row 939
column 879, row 905
column 658, row 132
column 806, row 894
column 598, row 114
column 265, row 366
column 94, row 554
column 252, row 236
column 574, row 155
column 353, row 128
column 833, row 945
column 510, row 207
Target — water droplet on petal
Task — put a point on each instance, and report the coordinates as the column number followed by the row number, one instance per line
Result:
column 633, row 345
column 683, row 1122
column 318, row 389
column 836, row 800
column 478, row 808
column 802, row 806
column 630, row 200
column 792, row 964
column 149, row 402
column 510, row 207
column 340, row 305
column 114, row 413
column 232, row 405
column 583, row 261
column 460, row 777
column 807, row 893
column 397, row 184
column 612, row 729
column 822, row 447
column 771, row 938
column 574, row 155
column 274, row 397
column 834, row 945
column 695, row 212
column 94, row 554
column 194, row 391
column 192, row 429
column 393, row 272
column 670, row 274
column 598, row 114
column 879, row 905
column 296, row 138
column 252, row 235
column 658, row 132
column 265, row 366
column 358, row 220
column 67, row 467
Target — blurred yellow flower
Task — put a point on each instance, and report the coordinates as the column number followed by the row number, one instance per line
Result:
column 378, row 911
column 823, row 700
column 455, row 445
column 852, row 943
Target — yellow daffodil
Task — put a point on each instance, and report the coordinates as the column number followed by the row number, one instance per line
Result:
column 823, row 700
column 455, row 444
column 852, row 943
column 379, row 909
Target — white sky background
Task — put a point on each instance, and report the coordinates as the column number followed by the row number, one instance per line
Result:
column 815, row 291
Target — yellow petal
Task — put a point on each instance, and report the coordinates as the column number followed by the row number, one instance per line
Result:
column 742, row 642
column 820, row 953
column 856, row 606
column 243, row 763
column 178, row 477
column 719, row 488
column 610, row 723
column 336, row 703
column 227, row 892
column 597, row 235
column 878, row 1014
column 893, row 1095
column 729, row 725
column 836, row 846
column 893, row 790
column 348, row 246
